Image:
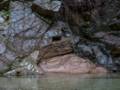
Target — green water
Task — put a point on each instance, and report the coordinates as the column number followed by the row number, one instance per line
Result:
column 61, row 82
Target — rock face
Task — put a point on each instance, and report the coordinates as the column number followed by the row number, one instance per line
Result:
column 25, row 34
column 25, row 66
column 112, row 40
column 52, row 5
column 57, row 48
column 90, row 20
column 70, row 64
column 29, row 32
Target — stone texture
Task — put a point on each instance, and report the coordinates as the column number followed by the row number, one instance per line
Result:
column 88, row 17
column 51, row 5
column 3, row 67
column 24, row 37
column 26, row 30
column 57, row 48
column 25, row 66
column 2, row 48
column 1, row 19
column 25, row 33
column 70, row 64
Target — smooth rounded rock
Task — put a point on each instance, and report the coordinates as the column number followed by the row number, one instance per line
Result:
column 1, row 19
column 2, row 48
column 71, row 64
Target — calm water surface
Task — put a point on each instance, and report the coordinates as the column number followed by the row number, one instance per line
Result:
column 61, row 82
